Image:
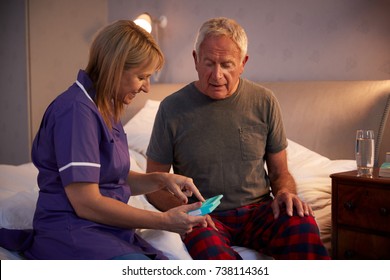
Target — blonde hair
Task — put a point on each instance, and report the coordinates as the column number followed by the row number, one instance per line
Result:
column 119, row 46
column 222, row 26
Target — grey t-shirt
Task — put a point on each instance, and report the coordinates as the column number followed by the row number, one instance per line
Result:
column 221, row 144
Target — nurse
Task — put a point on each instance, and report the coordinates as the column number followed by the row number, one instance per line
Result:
column 82, row 156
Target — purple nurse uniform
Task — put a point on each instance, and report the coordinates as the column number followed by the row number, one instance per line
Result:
column 74, row 144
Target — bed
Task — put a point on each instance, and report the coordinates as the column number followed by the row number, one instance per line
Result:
column 320, row 118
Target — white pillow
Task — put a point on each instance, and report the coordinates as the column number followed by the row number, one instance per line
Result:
column 137, row 161
column 17, row 211
column 18, row 195
column 311, row 173
column 139, row 128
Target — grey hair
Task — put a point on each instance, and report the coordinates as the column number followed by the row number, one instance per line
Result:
column 222, row 26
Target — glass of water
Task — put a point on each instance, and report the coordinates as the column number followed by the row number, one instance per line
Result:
column 364, row 152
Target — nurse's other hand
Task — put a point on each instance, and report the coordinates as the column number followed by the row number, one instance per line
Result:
column 177, row 220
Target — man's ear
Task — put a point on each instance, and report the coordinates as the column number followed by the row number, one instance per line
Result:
column 195, row 56
column 245, row 60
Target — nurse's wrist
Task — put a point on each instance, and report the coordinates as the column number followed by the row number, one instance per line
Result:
column 160, row 179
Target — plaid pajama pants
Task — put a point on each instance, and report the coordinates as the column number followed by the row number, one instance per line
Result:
column 253, row 226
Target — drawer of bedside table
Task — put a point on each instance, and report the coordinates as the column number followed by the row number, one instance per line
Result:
column 358, row 245
column 364, row 207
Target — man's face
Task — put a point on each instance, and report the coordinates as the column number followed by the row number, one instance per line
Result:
column 219, row 66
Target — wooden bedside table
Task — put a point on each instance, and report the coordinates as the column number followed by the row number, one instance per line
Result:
column 360, row 216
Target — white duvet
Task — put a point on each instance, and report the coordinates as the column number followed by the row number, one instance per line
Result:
column 19, row 191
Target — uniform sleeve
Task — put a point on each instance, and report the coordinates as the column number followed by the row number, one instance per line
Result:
column 76, row 138
column 160, row 147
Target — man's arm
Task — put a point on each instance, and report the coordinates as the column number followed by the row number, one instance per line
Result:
column 284, row 187
column 163, row 200
column 279, row 175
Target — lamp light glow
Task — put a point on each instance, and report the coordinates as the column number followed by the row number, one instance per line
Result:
column 145, row 21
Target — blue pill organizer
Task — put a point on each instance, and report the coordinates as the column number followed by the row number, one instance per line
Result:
column 207, row 207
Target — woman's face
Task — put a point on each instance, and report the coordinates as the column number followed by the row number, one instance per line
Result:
column 134, row 81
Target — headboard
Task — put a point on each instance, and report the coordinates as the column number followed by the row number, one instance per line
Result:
column 320, row 115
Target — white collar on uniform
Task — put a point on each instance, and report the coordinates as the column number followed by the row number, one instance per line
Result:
column 83, row 89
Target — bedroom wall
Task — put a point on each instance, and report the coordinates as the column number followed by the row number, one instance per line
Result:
column 288, row 39
column 60, row 35
column 14, row 101
column 44, row 44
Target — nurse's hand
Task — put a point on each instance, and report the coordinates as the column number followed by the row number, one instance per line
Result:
column 181, row 187
column 177, row 220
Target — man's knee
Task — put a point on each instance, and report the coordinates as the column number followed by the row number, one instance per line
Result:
column 207, row 243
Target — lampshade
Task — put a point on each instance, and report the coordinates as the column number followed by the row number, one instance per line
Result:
column 145, row 21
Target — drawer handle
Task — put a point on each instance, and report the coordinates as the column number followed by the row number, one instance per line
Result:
column 383, row 211
column 349, row 205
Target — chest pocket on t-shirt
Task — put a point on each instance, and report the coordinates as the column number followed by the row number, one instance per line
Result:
column 252, row 141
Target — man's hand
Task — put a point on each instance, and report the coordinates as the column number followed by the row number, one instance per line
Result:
column 290, row 200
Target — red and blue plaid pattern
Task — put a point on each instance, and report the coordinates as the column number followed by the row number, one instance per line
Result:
column 253, row 226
